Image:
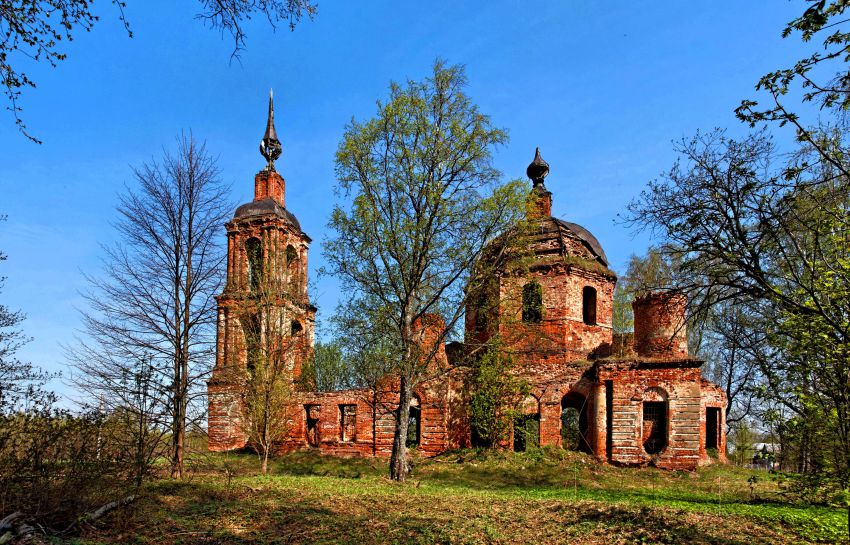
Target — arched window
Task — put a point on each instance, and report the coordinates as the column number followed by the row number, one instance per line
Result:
column 574, row 422
column 291, row 254
column 255, row 263
column 532, row 303
column 295, row 328
column 251, row 329
column 588, row 305
column 414, row 423
column 654, row 433
column 292, row 270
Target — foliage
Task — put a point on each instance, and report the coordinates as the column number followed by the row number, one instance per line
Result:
column 762, row 244
column 328, row 370
column 622, row 315
column 56, row 466
column 741, row 438
column 823, row 77
column 424, row 201
column 495, row 395
column 34, row 30
column 153, row 306
column 274, row 347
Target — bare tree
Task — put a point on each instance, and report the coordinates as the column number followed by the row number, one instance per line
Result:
column 21, row 383
column 230, row 16
column 154, row 302
column 734, row 346
column 274, row 343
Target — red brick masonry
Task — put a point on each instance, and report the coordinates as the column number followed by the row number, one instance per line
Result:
column 642, row 398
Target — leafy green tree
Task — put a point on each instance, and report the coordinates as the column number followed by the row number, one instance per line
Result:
column 328, row 370
column 495, row 395
column 751, row 230
column 623, row 319
column 424, row 201
column 741, row 439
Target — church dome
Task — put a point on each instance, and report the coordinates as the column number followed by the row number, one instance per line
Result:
column 267, row 206
column 555, row 238
column 564, row 235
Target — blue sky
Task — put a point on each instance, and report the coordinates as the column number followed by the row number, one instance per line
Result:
column 602, row 87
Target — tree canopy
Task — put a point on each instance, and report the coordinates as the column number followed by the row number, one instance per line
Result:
column 423, row 199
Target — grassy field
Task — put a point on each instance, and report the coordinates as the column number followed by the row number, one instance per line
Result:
column 547, row 496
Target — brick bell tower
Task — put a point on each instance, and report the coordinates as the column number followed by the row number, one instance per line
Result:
column 264, row 302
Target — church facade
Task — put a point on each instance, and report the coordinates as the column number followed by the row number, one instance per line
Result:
column 630, row 400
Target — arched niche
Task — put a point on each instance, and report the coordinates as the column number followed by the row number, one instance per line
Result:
column 575, row 422
column 588, row 305
column 254, row 253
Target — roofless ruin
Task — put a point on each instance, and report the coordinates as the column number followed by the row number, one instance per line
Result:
column 633, row 400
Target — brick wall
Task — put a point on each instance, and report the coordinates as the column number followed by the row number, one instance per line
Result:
column 635, row 382
column 660, row 330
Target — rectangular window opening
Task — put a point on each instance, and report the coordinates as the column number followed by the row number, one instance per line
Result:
column 712, row 428
column 347, row 423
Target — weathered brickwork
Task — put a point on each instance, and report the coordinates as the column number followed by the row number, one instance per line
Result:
column 635, row 399
column 660, row 325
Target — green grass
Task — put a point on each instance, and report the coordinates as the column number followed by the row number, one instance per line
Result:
column 547, row 496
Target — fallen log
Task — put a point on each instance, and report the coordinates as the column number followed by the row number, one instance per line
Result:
column 107, row 507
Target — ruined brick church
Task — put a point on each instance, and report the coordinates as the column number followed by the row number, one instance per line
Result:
column 631, row 400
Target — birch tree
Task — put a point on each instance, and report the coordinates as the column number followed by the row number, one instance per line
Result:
column 421, row 200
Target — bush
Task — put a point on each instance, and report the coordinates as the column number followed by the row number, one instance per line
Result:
column 56, row 466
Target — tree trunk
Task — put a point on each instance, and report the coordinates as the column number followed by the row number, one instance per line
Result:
column 179, row 430
column 398, row 461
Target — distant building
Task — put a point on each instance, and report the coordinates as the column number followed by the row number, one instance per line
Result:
column 633, row 400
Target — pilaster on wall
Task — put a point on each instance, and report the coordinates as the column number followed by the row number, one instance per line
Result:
column 224, row 427
column 683, row 441
column 599, row 429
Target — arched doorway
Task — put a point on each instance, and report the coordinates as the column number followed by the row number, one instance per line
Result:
column 654, row 421
column 527, row 425
column 574, row 422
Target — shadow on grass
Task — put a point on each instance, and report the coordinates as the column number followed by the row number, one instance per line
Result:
column 269, row 511
column 313, row 463
column 645, row 525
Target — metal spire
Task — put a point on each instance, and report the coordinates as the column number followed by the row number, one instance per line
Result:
column 270, row 146
column 538, row 169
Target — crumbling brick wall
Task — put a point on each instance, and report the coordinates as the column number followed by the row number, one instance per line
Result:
column 562, row 335
column 677, row 383
column 713, row 397
column 660, row 330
